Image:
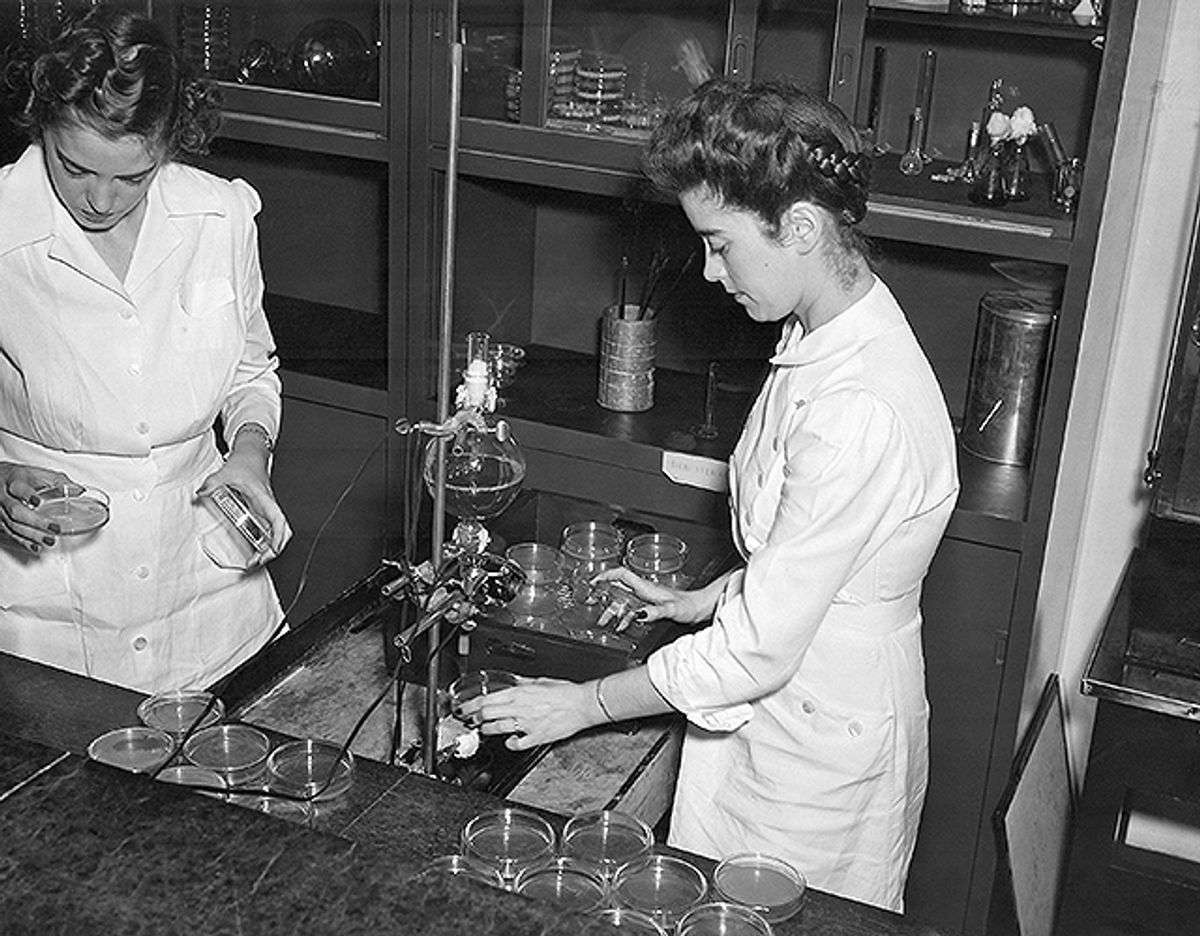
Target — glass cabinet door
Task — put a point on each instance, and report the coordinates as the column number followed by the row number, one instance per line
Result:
column 606, row 67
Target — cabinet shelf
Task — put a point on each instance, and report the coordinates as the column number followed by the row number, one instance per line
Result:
column 303, row 121
column 552, row 406
column 1031, row 20
column 913, row 209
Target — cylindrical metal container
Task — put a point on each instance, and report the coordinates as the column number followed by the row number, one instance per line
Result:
column 627, row 350
column 1012, row 338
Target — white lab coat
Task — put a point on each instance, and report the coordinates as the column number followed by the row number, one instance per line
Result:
column 807, row 735
column 118, row 385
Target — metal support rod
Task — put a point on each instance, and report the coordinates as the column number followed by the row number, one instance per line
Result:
column 429, row 735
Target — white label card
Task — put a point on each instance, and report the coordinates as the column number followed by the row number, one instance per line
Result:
column 696, row 471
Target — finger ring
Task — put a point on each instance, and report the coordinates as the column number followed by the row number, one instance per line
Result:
column 516, row 726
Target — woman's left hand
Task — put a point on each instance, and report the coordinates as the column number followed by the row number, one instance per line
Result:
column 534, row 712
column 249, row 475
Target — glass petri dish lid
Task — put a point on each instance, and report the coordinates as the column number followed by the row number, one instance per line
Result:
column 191, row 775
column 137, row 748
column 768, row 885
column 178, row 711
column 631, row 921
column 661, row 886
column 310, row 769
column 722, row 919
column 508, row 840
column 568, row 882
column 607, row 838
column 237, row 752
column 75, row 508
column 461, row 866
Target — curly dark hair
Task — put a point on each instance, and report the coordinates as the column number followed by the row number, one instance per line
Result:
column 760, row 148
column 117, row 73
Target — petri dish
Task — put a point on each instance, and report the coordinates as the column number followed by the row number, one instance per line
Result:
column 176, row 712
column 607, row 838
column 75, row 508
column 508, row 840
column 191, row 775
column 137, row 748
column 768, row 885
column 461, row 866
column 236, row 752
column 661, row 886
column 659, row 557
column 310, row 769
column 631, row 921
column 568, row 882
column 477, row 683
column 722, row 919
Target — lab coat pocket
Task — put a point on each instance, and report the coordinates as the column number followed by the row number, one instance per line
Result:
column 208, row 317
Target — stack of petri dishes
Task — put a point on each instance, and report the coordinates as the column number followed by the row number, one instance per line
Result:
column 139, row 749
column 658, row 557
column 310, row 770
column 179, row 711
column 570, row 883
column 768, row 885
column 722, row 919
column 542, row 566
column 237, row 752
column 663, row 887
column 508, row 840
column 606, row 838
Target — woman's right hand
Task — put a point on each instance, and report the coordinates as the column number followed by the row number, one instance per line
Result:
column 655, row 601
column 18, row 484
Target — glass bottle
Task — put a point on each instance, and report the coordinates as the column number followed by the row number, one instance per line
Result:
column 990, row 185
column 1016, row 172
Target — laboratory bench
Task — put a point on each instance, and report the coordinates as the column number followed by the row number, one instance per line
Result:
column 85, row 846
column 1135, row 852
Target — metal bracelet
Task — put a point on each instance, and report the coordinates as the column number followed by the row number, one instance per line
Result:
column 600, row 700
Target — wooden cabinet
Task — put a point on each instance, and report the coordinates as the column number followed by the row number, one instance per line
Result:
column 316, row 119
column 550, row 200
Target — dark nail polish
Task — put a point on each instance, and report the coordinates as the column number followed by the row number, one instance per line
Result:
column 640, row 614
column 34, row 547
column 48, row 540
column 54, row 528
column 34, row 502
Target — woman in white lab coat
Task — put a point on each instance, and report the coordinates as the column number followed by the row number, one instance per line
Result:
column 805, row 698
column 131, row 319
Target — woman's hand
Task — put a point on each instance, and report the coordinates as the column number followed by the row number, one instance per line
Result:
column 656, row 601
column 534, row 712
column 247, row 471
column 18, row 484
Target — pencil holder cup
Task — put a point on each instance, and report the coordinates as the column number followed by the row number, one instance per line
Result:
column 627, row 348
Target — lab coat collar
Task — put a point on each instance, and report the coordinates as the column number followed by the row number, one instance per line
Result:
column 842, row 335
column 28, row 194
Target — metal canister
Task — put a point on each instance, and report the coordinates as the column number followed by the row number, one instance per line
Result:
column 1012, row 339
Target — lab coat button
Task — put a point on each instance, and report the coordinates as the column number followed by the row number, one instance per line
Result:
column 854, row 729
column 139, row 495
column 140, row 644
column 142, row 427
column 135, row 368
column 126, row 314
column 808, row 707
column 142, row 572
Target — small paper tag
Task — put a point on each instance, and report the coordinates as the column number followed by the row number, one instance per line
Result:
column 696, row 471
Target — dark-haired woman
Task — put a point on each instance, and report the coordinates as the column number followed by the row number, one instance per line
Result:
column 805, row 694
column 131, row 323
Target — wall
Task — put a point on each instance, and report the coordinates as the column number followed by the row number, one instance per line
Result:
column 1134, row 296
